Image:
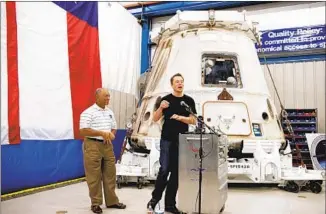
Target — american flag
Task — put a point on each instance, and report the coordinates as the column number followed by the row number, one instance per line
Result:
column 53, row 57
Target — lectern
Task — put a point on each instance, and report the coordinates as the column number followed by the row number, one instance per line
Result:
column 214, row 187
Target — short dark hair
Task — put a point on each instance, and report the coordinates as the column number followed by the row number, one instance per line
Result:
column 175, row 75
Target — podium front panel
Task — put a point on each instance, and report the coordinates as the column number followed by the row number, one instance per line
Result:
column 214, row 173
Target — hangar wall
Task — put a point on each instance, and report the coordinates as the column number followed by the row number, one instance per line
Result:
column 300, row 85
column 123, row 105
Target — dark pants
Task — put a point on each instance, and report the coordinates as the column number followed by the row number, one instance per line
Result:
column 169, row 163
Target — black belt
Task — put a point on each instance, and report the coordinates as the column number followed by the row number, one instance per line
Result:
column 95, row 139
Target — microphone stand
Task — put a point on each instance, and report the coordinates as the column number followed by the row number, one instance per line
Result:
column 201, row 128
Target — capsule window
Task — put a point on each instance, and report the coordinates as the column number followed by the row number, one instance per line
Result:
column 265, row 116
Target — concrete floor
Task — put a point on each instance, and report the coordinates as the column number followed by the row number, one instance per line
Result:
column 255, row 200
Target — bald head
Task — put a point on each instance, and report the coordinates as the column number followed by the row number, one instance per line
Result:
column 102, row 96
column 99, row 91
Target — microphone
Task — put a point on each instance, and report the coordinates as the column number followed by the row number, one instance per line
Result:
column 182, row 103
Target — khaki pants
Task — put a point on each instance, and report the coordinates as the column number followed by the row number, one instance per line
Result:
column 99, row 163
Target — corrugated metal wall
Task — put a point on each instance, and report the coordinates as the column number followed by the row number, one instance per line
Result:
column 123, row 105
column 300, row 85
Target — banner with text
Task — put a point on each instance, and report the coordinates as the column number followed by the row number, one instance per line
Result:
column 293, row 39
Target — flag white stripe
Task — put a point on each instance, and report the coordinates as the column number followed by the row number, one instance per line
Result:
column 43, row 71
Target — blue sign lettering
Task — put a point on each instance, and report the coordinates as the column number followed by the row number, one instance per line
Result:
column 293, row 39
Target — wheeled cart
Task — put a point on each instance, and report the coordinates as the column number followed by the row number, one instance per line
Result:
column 214, row 173
column 300, row 177
column 137, row 166
column 132, row 169
column 132, row 174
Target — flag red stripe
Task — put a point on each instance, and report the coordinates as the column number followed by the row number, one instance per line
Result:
column 12, row 63
column 84, row 66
